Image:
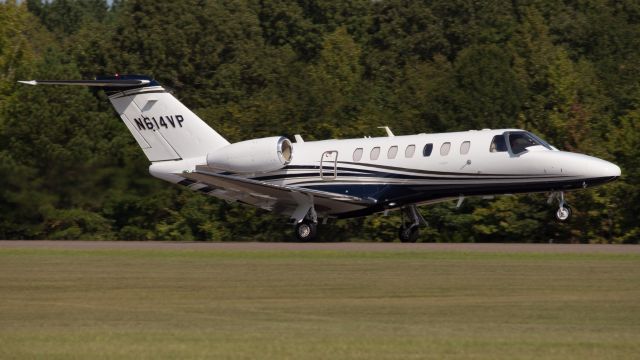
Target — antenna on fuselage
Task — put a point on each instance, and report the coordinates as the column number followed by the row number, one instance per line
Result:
column 386, row 128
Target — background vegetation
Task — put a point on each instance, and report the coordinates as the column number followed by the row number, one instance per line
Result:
column 566, row 70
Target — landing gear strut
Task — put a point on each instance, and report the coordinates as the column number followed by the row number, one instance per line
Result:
column 410, row 229
column 564, row 210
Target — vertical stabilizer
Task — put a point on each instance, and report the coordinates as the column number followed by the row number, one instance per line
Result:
column 164, row 128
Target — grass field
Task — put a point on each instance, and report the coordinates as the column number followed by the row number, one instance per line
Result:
column 317, row 304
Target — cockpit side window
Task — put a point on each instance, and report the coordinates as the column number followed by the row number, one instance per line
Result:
column 498, row 144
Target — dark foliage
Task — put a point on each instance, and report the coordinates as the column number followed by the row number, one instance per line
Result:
column 251, row 68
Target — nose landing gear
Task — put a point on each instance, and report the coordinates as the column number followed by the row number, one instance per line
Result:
column 564, row 210
column 563, row 213
column 410, row 230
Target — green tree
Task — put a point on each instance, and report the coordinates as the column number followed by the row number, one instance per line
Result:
column 64, row 17
column 251, row 68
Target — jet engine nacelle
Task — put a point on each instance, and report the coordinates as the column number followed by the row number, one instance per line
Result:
column 252, row 156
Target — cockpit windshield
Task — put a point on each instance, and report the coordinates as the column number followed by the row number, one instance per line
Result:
column 521, row 140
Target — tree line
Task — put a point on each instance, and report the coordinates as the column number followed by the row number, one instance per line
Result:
column 568, row 71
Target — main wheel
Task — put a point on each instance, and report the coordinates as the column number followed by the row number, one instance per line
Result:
column 409, row 233
column 305, row 231
column 563, row 213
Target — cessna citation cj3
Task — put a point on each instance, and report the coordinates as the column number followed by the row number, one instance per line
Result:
column 316, row 180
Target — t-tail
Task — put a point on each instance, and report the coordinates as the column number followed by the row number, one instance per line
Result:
column 164, row 128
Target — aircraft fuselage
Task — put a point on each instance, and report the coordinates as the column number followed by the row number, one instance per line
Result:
column 399, row 170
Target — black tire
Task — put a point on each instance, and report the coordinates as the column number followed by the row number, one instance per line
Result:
column 305, row 231
column 564, row 213
column 409, row 233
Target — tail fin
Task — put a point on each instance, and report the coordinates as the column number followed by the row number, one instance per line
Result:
column 164, row 128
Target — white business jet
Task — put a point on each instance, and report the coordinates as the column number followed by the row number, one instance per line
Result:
column 313, row 181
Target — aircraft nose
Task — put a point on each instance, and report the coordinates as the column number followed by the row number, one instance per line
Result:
column 610, row 170
column 590, row 167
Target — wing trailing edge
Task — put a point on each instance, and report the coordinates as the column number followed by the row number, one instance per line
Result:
column 281, row 199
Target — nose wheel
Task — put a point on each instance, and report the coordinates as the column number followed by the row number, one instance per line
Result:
column 564, row 210
column 563, row 213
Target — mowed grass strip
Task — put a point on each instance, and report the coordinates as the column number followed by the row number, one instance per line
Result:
column 317, row 305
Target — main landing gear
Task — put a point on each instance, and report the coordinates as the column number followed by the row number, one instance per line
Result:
column 410, row 229
column 564, row 210
column 306, row 230
column 305, row 219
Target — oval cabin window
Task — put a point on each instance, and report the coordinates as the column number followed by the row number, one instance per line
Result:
column 464, row 148
column 427, row 150
column 444, row 149
column 409, row 151
column 375, row 153
column 357, row 154
column 393, row 151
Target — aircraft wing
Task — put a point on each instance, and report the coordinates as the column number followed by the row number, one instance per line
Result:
column 283, row 199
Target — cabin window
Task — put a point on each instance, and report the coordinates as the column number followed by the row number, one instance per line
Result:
column 427, row 150
column 409, row 151
column 464, row 147
column 393, row 151
column 357, row 154
column 444, row 149
column 375, row 153
column 498, row 144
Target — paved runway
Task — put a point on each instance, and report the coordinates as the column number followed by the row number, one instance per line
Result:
column 353, row 246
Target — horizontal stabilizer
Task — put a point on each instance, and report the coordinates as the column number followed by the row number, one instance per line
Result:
column 115, row 83
column 96, row 83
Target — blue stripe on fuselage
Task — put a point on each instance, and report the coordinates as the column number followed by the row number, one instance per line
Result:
column 415, row 193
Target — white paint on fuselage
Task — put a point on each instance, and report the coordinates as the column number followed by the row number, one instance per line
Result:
column 536, row 169
column 479, row 159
